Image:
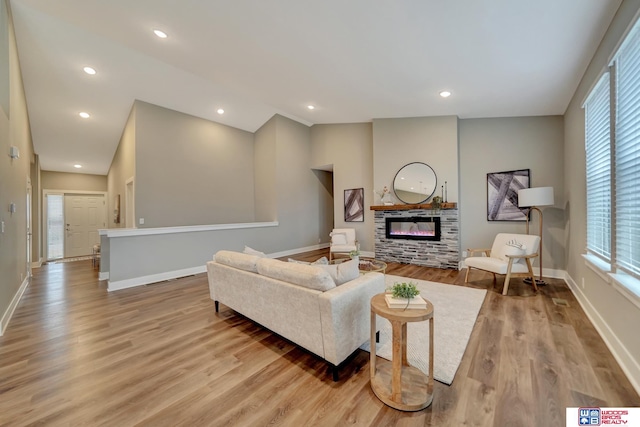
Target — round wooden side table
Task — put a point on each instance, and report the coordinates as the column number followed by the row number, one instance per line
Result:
column 395, row 382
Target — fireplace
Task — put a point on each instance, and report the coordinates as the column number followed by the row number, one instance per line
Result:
column 413, row 228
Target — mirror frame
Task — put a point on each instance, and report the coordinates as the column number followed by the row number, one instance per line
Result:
column 435, row 184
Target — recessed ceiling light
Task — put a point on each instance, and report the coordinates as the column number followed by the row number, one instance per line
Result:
column 77, row 166
column 311, row 107
column 89, row 70
column 160, row 34
column 84, row 115
column 220, row 111
column 445, row 94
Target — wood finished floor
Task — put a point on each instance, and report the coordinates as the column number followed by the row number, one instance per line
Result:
column 158, row 355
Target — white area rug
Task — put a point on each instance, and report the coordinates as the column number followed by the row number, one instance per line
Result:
column 456, row 309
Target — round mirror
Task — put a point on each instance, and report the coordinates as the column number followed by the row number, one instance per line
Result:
column 415, row 183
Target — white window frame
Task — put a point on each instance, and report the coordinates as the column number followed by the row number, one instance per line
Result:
column 625, row 280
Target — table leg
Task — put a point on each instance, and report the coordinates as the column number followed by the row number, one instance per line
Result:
column 405, row 362
column 430, row 380
column 397, row 357
column 372, row 342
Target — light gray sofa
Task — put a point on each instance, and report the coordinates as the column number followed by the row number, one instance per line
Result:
column 299, row 302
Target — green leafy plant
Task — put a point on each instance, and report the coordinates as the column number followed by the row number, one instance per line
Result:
column 404, row 290
column 354, row 253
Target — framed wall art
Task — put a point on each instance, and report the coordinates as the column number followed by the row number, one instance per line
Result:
column 502, row 195
column 354, row 205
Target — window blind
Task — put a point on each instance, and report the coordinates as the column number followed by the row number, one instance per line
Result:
column 627, row 155
column 598, row 156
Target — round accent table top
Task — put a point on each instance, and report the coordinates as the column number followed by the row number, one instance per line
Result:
column 379, row 306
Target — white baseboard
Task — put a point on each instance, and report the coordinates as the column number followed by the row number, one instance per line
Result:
column 6, row 317
column 103, row 275
column 36, row 264
column 153, row 278
column 546, row 272
column 627, row 362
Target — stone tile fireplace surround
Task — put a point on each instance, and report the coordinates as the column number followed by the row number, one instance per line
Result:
column 440, row 254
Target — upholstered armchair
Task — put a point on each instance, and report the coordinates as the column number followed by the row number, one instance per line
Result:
column 343, row 241
column 511, row 254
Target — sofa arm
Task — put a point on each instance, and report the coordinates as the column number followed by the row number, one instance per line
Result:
column 211, row 278
column 345, row 313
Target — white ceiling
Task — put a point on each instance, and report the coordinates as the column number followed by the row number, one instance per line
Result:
column 354, row 60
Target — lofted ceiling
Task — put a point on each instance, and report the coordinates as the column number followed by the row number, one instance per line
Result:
column 353, row 60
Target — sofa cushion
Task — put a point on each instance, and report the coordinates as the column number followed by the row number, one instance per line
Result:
column 238, row 260
column 342, row 272
column 308, row 276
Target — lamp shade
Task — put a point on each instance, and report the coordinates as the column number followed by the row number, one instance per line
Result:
column 538, row 196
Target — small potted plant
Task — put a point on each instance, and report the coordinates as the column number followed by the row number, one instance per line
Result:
column 404, row 294
column 436, row 203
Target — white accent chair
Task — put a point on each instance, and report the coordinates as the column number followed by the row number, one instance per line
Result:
column 343, row 241
column 510, row 254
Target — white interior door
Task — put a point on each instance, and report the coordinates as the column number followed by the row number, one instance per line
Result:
column 84, row 215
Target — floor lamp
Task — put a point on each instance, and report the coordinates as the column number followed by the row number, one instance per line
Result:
column 532, row 198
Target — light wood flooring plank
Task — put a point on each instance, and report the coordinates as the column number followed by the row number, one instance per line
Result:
column 75, row 354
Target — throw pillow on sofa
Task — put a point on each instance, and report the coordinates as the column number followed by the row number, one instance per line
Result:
column 321, row 261
column 251, row 251
column 343, row 272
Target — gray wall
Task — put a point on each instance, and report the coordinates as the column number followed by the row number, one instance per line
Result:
column 14, row 175
column 299, row 194
column 264, row 160
column 298, row 188
column 191, row 171
column 616, row 316
column 123, row 167
column 348, row 150
column 73, row 181
column 504, row 144
column 431, row 140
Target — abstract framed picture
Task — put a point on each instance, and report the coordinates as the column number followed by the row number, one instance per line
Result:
column 354, row 205
column 502, row 195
